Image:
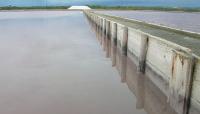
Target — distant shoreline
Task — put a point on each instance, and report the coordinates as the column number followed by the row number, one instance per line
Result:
column 34, row 8
column 156, row 8
column 98, row 7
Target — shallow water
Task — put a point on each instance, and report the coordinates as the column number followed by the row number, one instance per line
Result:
column 54, row 65
column 180, row 20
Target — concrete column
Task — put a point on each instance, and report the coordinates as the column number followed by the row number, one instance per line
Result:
column 101, row 29
column 143, row 52
column 107, row 38
column 125, row 41
column 181, row 81
column 114, row 43
column 114, row 34
column 98, row 28
column 93, row 23
column 96, row 23
column 104, row 33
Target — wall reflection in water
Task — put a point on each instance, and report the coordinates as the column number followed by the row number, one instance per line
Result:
column 149, row 96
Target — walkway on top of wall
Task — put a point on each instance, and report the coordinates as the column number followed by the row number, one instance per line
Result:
column 191, row 41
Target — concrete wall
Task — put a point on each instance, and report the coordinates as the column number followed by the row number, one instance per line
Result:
column 113, row 42
column 171, row 67
column 120, row 30
column 195, row 101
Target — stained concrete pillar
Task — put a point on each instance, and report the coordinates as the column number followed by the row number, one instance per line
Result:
column 180, row 83
column 114, row 43
column 125, row 40
column 114, row 34
column 108, row 38
column 143, row 52
column 104, row 33
column 101, row 29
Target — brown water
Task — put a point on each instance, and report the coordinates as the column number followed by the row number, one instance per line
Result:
column 181, row 20
column 52, row 64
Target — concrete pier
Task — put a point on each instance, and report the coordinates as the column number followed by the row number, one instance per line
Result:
column 161, row 54
column 108, row 39
column 113, row 42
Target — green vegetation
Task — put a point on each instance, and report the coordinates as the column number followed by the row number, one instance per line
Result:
column 144, row 8
column 33, row 7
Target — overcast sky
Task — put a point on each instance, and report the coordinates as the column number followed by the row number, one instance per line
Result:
column 172, row 3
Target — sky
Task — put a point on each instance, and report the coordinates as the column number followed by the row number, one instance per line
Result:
column 169, row 3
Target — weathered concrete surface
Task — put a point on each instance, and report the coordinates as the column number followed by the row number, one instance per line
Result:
column 150, row 98
column 122, row 38
column 113, row 42
column 184, row 39
column 168, row 57
column 108, row 39
column 138, row 44
column 195, row 101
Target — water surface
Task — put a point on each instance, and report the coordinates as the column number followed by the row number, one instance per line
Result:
column 52, row 64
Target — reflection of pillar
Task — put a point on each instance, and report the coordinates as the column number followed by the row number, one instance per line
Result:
column 124, row 41
column 135, row 82
column 113, row 43
column 114, row 51
column 107, row 38
column 155, row 101
column 123, row 68
column 93, row 23
column 140, row 91
column 117, row 59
